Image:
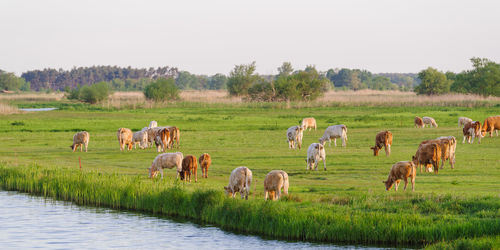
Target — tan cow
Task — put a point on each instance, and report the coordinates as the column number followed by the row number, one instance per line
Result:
column 274, row 182
column 463, row 120
column 205, row 161
column 491, row 123
column 429, row 153
column 162, row 139
column 189, row 166
column 294, row 135
column 308, row 123
column 80, row 139
column 471, row 130
column 315, row 153
column 419, row 123
column 429, row 121
column 175, row 136
column 166, row 160
column 445, row 145
column 239, row 181
column 125, row 138
column 401, row 171
column 452, row 149
column 153, row 124
column 334, row 132
column 383, row 139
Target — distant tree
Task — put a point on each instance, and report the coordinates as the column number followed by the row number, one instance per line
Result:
column 484, row 79
column 162, row 90
column 341, row 78
column 217, row 81
column 241, row 78
column 285, row 70
column 354, row 81
column 186, row 80
column 433, row 82
column 9, row 81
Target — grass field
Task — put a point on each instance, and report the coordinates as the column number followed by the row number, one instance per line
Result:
column 457, row 203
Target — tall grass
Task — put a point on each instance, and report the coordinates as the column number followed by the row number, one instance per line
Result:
column 7, row 109
column 397, row 223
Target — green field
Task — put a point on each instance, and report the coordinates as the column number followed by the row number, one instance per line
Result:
column 457, row 203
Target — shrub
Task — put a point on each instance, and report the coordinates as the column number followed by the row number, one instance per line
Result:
column 162, row 90
column 90, row 93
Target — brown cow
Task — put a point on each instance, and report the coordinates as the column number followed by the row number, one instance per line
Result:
column 162, row 139
column 175, row 136
column 445, row 145
column 471, row 130
column 491, row 123
column 419, row 123
column 125, row 138
column 383, row 139
column 205, row 161
column 429, row 153
column 189, row 166
column 401, row 170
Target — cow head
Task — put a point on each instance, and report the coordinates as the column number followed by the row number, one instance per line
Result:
column 322, row 141
column 228, row 191
column 72, row 147
column 375, row 150
column 414, row 159
column 152, row 173
column 388, row 184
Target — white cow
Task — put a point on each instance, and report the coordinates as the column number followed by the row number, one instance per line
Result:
column 166, row 160
column 294, row 135
column 315, row 153
column 274, row 182
column 463, row 120
column 153, row 124
column 239, row 181
column 334, row 132
column 140, row 137
column 429, row 121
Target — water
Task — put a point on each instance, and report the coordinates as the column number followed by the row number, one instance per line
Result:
column 35, row 222
column 37, row 109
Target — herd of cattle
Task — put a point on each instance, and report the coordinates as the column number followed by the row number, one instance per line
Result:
column 429, row 152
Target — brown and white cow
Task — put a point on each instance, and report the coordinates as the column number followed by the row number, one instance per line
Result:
column 452, row 149
column 189, row 166
column 334, row 132
column 162, row 139
column 308, row 123
column 429, row 121
column 419, row 123
column 491, row 124
column 315, row 153
column 471, row 130
column 125, row 138
column 383, row 139
column 239, row 181
column 401, row 171
column 80, row 139
column 175, row 136
column 274, row 182
column 205, row 161
column 294, row 135
column 463, row 120
column 166, row 160
column 429, row 153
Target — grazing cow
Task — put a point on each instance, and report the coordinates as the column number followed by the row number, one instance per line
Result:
column 175, row 136
column 429, row 153
column 274, row 182
column 189, row 166
column 152, row 134
column 429, row 121
column 153, row 124
column 463, row 120
column 166, row 160
column 125, row 138
column 79, row 140
column 239, row 181
column 334, row 132
column 308, row 123
column 140, row 137
column 205, row 161
column 452, row 149
column 401, row 170
column 315, row 153
column 491, row 123
column 419, row 123
column 445, row 145
column 162, row 139
column 383, row 139
column 294, row 135
column 471, row 130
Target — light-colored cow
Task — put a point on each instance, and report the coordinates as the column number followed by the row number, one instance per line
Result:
column 452, row 149
column 463, row 120
column 383, row 139
column 315, row 153
column 140, row 137
column 471, row 130
column 401, row 170
column 239, row 181
column 334, row 132
column 153, row 124
column 166, row 160
column 294, row 135
column 429, row 121
column 308, row 123
column 274, row 182
column 124, row 138
column 80, row 139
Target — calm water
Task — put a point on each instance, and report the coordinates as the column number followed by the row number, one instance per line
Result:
column 34, row 222
column 38, row 109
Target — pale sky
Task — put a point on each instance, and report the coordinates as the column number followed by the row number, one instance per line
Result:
column 208, row 37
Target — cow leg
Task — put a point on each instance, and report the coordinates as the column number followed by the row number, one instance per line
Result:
column 161, row 172
column 195, row 174
column 266, row 194
column 413, row 183
column 334, row 141
column 278, row 194
column 406, row 184
column 396, row 185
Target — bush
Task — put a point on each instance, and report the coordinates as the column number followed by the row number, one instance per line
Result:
column 162, row 90
column 90, row 93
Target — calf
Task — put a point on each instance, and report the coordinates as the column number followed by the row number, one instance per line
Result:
column 189, row 166
column 205, row 161
column 471, row 130
column 334, row 132
column 308, row 123
column 166, row 160
column 419, row 123
column 294, row 135
column 429, row 121
column 401, row 170
column 274, row 182
column 239, row 181
column 491, row 123
column 140, row 137
column 125, row 138
column 429, row 153
column 80, row 139
column 383, row 139
column 315, row 153
column 463, row 120
column 452, row 149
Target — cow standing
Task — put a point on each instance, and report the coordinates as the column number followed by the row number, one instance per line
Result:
column 428, row 154
column 491, row 123
column 419, row 123
column 308, row 123
column 429, row 121
column 125, row 138
column 401, row 171
column 189, row 166
column 471, row 130
column 274, row 182
column 239, row 181
column 166, row 160
column 205, row 161
column 315, row 153
column 80, row 139
column 463, row 120
column 334, row 132
column 294, row 135
column 383, row 139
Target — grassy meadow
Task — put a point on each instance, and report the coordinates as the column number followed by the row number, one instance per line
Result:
column 347, row 203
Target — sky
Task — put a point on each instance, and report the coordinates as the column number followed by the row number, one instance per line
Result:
column 209, row 37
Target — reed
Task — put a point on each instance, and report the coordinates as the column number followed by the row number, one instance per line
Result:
column 8, row 109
